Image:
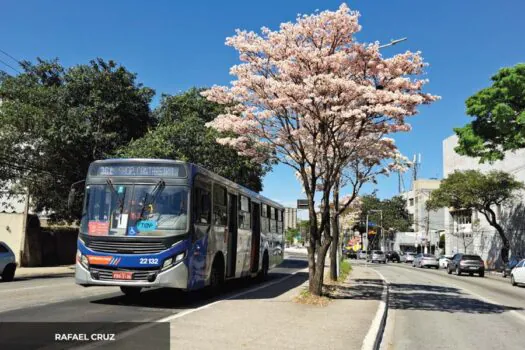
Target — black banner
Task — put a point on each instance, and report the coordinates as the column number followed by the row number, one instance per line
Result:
column 77, row 335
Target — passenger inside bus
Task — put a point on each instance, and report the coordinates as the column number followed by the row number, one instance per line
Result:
column 169, row 217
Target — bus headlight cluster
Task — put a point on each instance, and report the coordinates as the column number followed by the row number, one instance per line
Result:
column 82, row 259
column 173, row 261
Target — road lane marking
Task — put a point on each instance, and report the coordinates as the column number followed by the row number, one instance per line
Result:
column 266, row 285
column 369, row 342
column 184, row 313
column 482, row 298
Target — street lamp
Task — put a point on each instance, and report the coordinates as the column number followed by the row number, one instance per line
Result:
column 393, row 42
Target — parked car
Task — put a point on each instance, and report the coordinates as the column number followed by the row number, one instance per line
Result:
column 426, row 260
column 377, row 256
column 361, row 254
column 393, row 256
column 7, row 263
column 409, row 257
column 517, row 275
column 444, row 260
column 470, row 264
column 510, row 265
column 349, row 253
column 402, row 256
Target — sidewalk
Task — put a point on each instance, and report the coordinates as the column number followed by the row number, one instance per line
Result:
column 34, row 272
column 268, row 318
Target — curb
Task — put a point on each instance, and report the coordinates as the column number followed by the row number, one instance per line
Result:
column 374, row 336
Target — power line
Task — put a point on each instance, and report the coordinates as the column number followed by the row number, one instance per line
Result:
column 10, row 66
column 11, row 57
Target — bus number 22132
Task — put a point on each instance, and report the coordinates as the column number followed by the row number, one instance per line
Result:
column 149, row 261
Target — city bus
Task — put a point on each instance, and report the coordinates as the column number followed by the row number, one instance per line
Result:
column 150, row 223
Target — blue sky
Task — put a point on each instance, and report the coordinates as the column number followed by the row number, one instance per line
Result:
column 173, row 45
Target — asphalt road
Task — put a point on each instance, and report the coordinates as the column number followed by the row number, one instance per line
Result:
column 60, row 300
column 429, row 309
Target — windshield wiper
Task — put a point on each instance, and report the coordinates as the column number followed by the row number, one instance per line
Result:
column 153, row 195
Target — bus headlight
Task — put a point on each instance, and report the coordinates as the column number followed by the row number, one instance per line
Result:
column 82, row 259
column 169, row 262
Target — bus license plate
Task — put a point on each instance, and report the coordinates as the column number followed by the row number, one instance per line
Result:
column 122, row 275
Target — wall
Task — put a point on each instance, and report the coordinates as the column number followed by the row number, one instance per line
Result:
column 11, row 229
column 486, row 241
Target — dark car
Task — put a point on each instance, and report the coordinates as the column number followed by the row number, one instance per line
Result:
column 510, row 265
column 393, row 256
column 466, row 263
column 349, row 253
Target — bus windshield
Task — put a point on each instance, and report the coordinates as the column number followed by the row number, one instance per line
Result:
column 135, row 210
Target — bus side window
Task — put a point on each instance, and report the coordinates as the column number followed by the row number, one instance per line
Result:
column 219, row 206
column 202, row 206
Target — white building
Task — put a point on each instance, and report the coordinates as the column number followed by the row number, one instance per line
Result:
column 290, row 218
column 13, row 220
column 426, row 224
column 468, row 231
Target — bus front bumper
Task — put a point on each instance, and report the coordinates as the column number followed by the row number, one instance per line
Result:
column 174, row 277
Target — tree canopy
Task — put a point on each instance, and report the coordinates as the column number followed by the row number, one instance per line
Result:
column 499, row 117
column 312, row 97
column 395, row 214
column 472, row 189
column 181, row 134
column 55, row 121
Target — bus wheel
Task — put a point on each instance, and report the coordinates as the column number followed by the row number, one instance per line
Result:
column 216, row 277
column 131, row 291
column 9, row 273
column 263, row 274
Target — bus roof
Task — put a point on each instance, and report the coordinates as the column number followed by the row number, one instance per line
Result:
column 194, row 168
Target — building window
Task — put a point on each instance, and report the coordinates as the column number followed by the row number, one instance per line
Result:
column 462, row 217
column 411, row 201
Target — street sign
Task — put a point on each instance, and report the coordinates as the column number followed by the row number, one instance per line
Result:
column 302, row 204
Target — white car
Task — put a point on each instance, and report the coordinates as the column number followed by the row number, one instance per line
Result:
column 409, row 257
column 7, row 263
column 444, row 260
column 517, row 275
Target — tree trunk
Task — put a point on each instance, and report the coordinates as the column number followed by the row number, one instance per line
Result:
column 316, row 288
column 334, row 223
column 334, row 247
column 491, row 218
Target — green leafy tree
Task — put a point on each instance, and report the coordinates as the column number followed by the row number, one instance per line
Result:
column 499, row 117
column 475, row 190
column 182, row 134
column 395, row 215
column 290, row 234
column 55, row 121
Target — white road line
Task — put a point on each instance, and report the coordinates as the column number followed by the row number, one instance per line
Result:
column 485, row 299
column 184, row 313
column 370, row 338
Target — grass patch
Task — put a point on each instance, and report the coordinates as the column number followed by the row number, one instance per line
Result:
column 344, row 270
column 331, row 289
column 305, row 297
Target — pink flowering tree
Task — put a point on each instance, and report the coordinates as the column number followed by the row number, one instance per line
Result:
column 310, row 96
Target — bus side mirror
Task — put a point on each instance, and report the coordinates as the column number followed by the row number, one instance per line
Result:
column 71, row 198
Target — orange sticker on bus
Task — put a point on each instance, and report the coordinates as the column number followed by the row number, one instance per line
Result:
column 99, row 260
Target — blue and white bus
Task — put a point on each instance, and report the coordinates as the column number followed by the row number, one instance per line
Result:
column 163, row 223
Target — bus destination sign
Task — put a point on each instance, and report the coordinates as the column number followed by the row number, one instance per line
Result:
column 140, row 170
